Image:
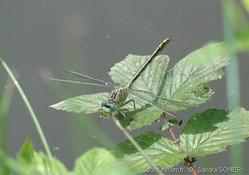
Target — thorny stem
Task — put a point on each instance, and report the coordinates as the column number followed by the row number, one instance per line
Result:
column 193, row 172
column 137, row 146
column 171, row 131
column 173, row 136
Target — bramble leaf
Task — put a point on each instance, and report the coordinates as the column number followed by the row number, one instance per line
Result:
column 182, row 87
column 139, row 118
column 99, row 161
column 206, row 133
column 84, row 103
column 162, row 152
column 94, row 162
column 213, row 131
column 38, row 163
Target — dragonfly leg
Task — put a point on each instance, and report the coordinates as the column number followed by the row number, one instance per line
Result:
column 130, row 101
column 123, row 115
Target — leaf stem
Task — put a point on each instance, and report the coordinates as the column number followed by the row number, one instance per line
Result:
column 193, row 172
column 170, row 130
column 29, row 107
column 137, row 146
column 173, row 135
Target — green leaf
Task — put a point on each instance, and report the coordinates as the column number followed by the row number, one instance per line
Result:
column 84, row 103
column 246, row 4
column 94, row 162
column 186, row 82
column 182, row 87
column 213, row 131
column 26, row 154
column 206, row 133
column 162, row 151
column 99, row 161
column 38, row 163
column 139, row 118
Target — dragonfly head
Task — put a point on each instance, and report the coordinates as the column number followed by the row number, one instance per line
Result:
column 107, row 109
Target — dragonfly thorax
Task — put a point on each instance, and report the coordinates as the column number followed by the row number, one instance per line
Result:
column 118, row 96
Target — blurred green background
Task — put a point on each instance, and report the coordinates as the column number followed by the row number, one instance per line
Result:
column 43, row 38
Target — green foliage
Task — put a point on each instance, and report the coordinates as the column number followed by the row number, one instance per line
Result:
column 162, row 151
column 5, row 102
column 205, row 133
column 99, row 161
column 180, row 87
column 85, row 103
column 246, row 4
column 38, row 163
column 94, row 162
column 212, row 131
column 158, row 89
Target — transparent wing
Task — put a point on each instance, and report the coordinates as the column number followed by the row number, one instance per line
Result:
column 184, row 86
column 163, row 103
column 149, row 80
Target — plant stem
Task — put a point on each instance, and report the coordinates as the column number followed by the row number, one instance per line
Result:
column 170, row 130
column 173, row 136
column 137, row 146
column 4, row 108
column 233, row 84
column 193, row 172
column 88, row 125
column 28, row 105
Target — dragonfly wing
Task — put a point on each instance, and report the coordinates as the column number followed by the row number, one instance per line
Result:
column 187, row 80
column 122, row 72
column 85, row 103
column 184, row 86
column 163, row 103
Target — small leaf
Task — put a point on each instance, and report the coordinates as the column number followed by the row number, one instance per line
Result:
column 94, row 162
column 26, row 154
column 162, row 151
column 84, row 103
column 246, row 4
column 213, row 131
column 38, row 163
column 93, row 159
column 98, row 161
column 139, row 118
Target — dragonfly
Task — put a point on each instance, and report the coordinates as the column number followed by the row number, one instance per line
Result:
column 117, row 99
